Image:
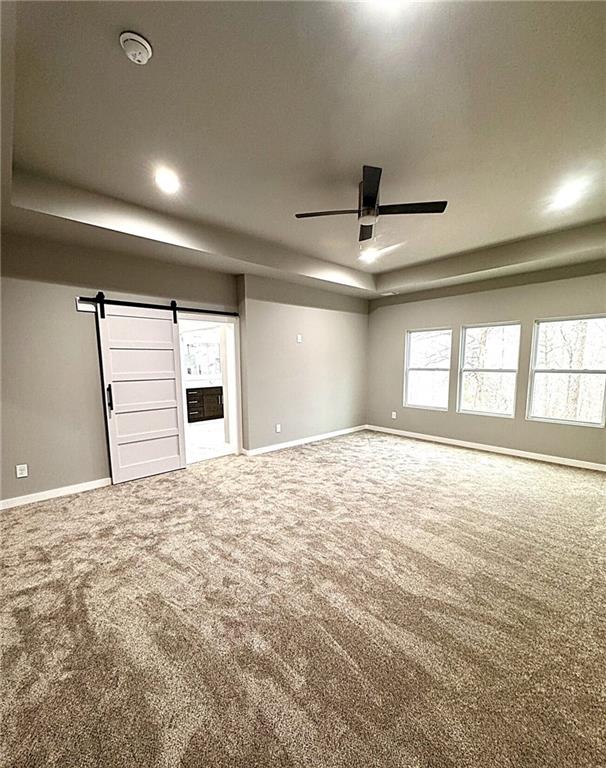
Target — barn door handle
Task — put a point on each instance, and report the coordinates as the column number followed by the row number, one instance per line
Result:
column 110, row 397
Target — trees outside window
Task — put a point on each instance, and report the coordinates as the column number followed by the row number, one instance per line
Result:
column 427, row 368
column 568, row 372
column 489, row 369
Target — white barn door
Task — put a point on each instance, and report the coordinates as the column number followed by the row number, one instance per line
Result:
column 142, row 380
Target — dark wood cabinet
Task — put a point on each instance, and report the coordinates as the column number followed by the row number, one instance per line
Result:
column 204, row 403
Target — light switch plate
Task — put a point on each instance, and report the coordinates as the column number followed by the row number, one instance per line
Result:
column 278, row 427
column 299, row 338
column 21, row 470
column 394, row 415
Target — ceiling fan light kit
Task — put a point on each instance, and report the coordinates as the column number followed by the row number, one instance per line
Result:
column 369, row 210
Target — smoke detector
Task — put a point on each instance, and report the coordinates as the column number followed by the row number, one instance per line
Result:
column 136, row 47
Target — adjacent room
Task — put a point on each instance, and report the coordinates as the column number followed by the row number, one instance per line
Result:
column 209, row 365
column 303, row 385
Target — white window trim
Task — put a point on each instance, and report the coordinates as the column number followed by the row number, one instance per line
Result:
column 533, row 370
column 407, row 368
column 487, row 370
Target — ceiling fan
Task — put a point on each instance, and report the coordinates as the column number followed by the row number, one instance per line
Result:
column 369, row 210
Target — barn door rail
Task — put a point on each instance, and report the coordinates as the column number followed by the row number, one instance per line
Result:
column 84, row 302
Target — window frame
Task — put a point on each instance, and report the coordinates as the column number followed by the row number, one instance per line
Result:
column 407, row 368
column 462, row 370
column 533, row 370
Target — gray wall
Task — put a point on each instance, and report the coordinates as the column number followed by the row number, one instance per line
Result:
column 311, row 388
column 52, row 411
column 388, row 322
column 52, row 414
column 107, row 270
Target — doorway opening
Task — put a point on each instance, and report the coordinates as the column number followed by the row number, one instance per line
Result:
column 210, row 387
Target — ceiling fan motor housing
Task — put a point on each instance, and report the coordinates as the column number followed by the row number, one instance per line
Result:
column 367, row 214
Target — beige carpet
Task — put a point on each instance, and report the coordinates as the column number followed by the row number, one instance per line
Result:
column 363, row 602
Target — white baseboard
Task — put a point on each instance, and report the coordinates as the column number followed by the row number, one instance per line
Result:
column 491, row 448
column 53, row 493
column 68, row 490
column 301, row 441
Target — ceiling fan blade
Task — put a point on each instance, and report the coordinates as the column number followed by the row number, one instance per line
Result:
column 324, row 213
column 437, row 206
column 371, row 178
column 365, row 232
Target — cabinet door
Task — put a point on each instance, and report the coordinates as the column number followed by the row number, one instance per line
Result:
column 213, row 403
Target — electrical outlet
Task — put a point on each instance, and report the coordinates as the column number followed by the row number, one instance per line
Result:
column 299, row 338
column 394, row 415
column 278, row 428
column 21, row 470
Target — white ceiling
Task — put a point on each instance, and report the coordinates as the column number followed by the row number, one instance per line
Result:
column 265, row 109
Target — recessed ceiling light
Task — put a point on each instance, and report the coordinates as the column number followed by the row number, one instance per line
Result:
column 389, row 7
column 569, row 193
column 167, row 180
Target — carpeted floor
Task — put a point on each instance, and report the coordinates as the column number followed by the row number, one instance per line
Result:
column 364, row 602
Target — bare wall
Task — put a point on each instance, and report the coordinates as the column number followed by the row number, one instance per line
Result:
column 388, row 323
column 107, row 270
column 310, row 388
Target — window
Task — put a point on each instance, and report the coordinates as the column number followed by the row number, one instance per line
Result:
column 427, row 368
column 568, row 371
column 489, row 369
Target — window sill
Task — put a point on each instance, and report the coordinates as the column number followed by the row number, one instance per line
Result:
column 565, row 423
column 425, row 407
column 487, row 413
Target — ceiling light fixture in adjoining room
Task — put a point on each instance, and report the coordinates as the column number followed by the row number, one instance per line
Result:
column 167, row 180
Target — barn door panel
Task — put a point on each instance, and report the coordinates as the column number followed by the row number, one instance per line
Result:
column 142, row 380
